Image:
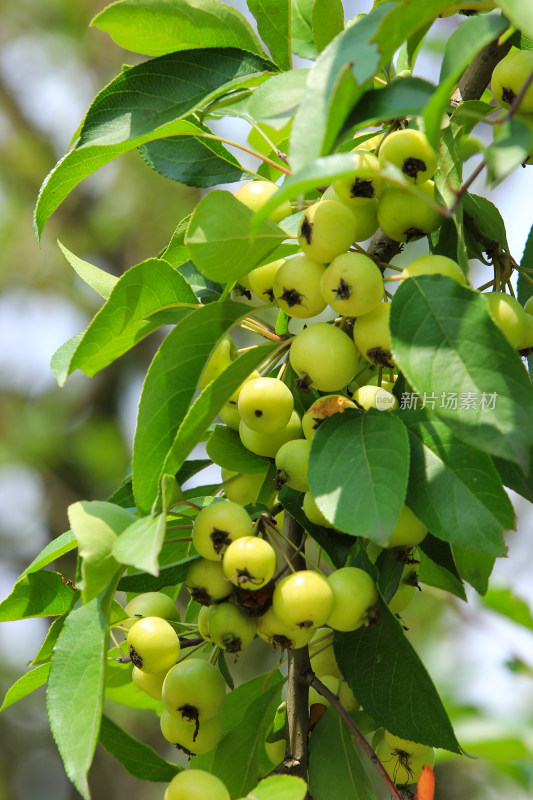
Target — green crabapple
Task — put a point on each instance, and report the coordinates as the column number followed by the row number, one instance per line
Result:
column 321, row 409
column 354, row 594
column 150, row 683
column 327, row 229
column 313, row 513
column 268, row 444
column 255, row 194
column 410, row 151
column 507, row 313
column 297, row 287
column 265, row 405
column 206, row 582
column 195, row 784
column 372, row 336
column 404, row 216
column 292, row 462
column 365, row 216
column 219, row 360
column 352, row 284
column 325, row 355
column 278, row 634
column 150, row 604
column 510, row 75
column 229, row 628
column 153, row 644
column 192, row 736
column 194, row 689
column 249, row 562
column 364, row 184
column 217, row 525
column 434, row 265
column 303, row 598
column 409, row 530
column 242, row 488
column 371, row 396
column 262, row 279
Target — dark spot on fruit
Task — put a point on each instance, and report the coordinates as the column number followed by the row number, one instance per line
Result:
column 508, row 96
column 343, row 290
column 243, row 292
column 184, row 750
column 318, row 422
column 258, row 413
column 135, row 658
column 413, row 233
column 307, row 623
column 220, row 539
column 282, row 642
column 526, row 351
column 306, row 229
column 270, row 294
column 303, row 383
column 361, row 188
column 190, row 713
column 379, row 356
column 281, row 478
column 254, row 602
column 412, row 580
column 233, row 645
column 292, row 297
column 201, row 595
column 412, row 166
column 232, row 402
column 373, row 614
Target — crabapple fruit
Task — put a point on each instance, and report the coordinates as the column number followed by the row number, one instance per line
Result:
column 372, row 336
column 325, row 355
column 327, row 229
column 268, row 444
column 265, row 405
column 292, row 462
column 153, row 644
column 297, row 287
column 410, row 151
column 249, row 562
column 217, row 525
column 303, row 598
column 352, row 284
column 256, row 193
column 354, row 593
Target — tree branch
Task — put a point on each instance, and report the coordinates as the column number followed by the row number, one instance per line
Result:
column 477, row 75
column 299, row 664
column 311, row 680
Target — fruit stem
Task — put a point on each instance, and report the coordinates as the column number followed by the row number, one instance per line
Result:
column 246, row 150
column 311, row 680
column 191, row 642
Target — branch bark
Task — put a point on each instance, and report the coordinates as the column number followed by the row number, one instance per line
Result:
column 296, row 753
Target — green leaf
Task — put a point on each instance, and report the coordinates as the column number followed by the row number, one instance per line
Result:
column 208, row 404
column 514, row 478
column 334, row 86
column 145, row 102
column 446, row 344
column 26, row 685
column 219, row 238
column 279, row 787
column 192, row 160
column 60, row 361
column 474, row 567
column 337, row 545
column 223, row 667
column 506, row 603
column 168, row 576
column 520, row 12
column 100, row 281
column 139, row 759
column 76, row 686
column 38, row 594
column 177, row 253
column 225, row 448
column 392, row 684
column 236, row 758
column 276, row 100
column 45, row 651
column 400, row 98
column 140, row 544
column 508, row 151
column 62, row 544
column 148, row 287
column 302, row 42
column 273, row 23
column 433, row 574
column 335, row 761
column 169, row 389
column 461, row 48
column 524, row 287
column 358, row 472
column 327, row 21
column 454, row 488
column 484, row 215
column 96, row 525
column 156, row 27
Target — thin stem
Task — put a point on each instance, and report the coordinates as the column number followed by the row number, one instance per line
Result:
column 246, row 150
column 465, row 187
column 485, row 286
column 510, row 288
column 191, row 642
column 283, row 554
column 298, row 548
column 193, row 651
column 311, row 680
column 176, row 541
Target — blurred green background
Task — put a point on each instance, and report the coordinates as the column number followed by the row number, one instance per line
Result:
column 61, row 445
